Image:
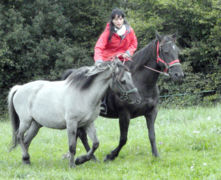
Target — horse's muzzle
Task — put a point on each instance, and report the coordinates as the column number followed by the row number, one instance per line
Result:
column 135, row 98
column 176, row 73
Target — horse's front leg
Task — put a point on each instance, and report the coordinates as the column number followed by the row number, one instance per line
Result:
column 124, row 120
column 81, row 133
column 83, row 136
column 91, row 131
column 72, row 141
column 150, row 120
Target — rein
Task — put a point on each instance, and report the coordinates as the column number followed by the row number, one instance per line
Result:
column 167, row 65
column 122, row 59
column 160, row 72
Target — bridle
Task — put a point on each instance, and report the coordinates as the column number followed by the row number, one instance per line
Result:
column 124, row 94
column 167, row 65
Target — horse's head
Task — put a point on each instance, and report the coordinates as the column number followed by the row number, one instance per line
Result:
column 167, row 56
column 122, row 84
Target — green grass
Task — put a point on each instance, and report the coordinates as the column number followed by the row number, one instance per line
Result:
column 188, row 140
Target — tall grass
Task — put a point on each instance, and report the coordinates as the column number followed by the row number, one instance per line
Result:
column 188, row 140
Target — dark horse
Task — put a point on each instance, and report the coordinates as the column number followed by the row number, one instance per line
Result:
column 159, row 56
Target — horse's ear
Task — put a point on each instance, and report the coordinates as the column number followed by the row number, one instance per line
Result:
column 174, row 36
column 158, row 36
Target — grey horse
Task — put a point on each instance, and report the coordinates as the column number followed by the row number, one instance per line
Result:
column 69, row 104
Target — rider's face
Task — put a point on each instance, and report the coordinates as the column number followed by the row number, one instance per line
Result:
column 118, row 21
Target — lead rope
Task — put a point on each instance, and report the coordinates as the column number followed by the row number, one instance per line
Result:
column 160, row 72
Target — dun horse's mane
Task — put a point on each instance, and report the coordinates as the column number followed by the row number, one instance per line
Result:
column 140, row 57
column 84, row 76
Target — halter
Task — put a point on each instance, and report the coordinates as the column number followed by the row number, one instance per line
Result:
column 124, row 94
column 167, row 65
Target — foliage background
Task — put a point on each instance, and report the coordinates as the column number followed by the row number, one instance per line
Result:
column 39, row 39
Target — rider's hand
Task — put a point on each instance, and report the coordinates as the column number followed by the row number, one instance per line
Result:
column 125, row 56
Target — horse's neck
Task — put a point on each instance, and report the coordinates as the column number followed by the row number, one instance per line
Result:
column 99, row 88
column 143, row 59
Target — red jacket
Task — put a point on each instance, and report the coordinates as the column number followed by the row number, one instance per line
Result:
column 105, row 50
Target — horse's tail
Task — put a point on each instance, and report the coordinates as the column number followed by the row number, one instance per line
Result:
column 13, row 116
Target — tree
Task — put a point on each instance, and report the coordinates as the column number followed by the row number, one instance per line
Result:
column 39, row 39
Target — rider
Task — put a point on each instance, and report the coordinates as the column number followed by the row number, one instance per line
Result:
column 118, row 39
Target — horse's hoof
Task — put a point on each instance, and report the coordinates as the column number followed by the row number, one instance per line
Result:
column 26, row 160
column 108, row 158
column 79, row 161
column 156, row 155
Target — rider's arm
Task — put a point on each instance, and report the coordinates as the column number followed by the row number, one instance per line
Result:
column 101, row 44
column 133, row 43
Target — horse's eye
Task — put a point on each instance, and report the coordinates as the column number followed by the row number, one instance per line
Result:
column 123, row 81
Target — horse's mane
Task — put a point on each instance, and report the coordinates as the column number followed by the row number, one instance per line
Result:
column 141, row 57
column 84, row 76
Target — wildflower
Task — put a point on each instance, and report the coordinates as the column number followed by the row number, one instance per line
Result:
column 196, row 132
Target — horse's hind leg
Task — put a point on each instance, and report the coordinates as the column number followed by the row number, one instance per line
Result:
column 150, row 120
column 91, row 131
column 31, row 133
column 23, row 127
column 83, row 136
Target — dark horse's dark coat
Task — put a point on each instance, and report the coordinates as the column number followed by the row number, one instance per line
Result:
column 160, row 54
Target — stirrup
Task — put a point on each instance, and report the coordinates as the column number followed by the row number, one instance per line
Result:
column 103, row 109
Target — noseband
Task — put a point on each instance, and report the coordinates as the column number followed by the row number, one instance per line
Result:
column 124, row 95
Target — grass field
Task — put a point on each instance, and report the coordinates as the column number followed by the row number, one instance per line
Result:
column 188, row 140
